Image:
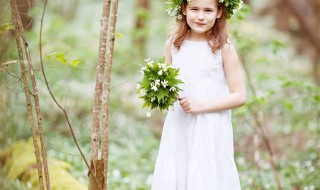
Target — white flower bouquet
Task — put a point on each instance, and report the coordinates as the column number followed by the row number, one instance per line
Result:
column 159, row 86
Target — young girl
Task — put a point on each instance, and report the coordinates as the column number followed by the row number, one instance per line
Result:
column 196, row 149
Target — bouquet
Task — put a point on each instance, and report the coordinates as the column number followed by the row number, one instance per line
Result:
column 159, row 86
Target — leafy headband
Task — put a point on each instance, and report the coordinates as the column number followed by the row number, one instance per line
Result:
column 174, row 7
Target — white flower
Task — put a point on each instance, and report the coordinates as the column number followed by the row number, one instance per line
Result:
column 234, row 11
column 165, row 68
column 152, row 99
column 138, row 86
column 148, row 114
column 240, row 5
column 154, row 88
column 147, row 60
column 221, row 1
column 152, row 84
column 160, row 72
column 157, row 82
column 150, row 64
column 172, row 89
column 143, row 92
column 164, row 83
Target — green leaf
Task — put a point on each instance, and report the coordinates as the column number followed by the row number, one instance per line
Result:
column 118, row 35
column 75, row 62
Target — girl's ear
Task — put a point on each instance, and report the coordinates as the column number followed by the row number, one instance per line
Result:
column 219, row 13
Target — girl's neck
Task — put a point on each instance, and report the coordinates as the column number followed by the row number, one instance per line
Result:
column 192, row 36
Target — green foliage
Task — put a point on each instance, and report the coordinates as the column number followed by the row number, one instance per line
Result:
column 61, row 57
column 19, row 163
column 159, row 87
column 6, row 27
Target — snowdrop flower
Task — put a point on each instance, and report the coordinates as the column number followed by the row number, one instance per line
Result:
column 138, row 86
column 154, row 88
column 152, row 84
column 160, row 72
column 172, row 89
column 157, row 82
column 148, row 114
column 164, row 83
column 221, row 1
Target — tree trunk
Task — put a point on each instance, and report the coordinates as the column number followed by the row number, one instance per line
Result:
column 105, row 115
column 94, row 164
column 18, row 31
column 141, row 30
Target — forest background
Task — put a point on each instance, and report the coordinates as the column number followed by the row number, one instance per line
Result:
column 276, row 134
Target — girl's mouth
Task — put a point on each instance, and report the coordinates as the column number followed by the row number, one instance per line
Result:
column 200, row 24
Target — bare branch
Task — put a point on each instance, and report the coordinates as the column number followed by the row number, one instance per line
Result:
column 53, row 97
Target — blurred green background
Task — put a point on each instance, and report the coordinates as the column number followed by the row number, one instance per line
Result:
column 280, row 61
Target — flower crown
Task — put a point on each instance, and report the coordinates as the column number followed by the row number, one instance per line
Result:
column 174, row 7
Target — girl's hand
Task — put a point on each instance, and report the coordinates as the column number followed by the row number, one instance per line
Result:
column 190, row 105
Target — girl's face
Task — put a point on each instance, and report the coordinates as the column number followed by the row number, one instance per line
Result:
column 201, row 16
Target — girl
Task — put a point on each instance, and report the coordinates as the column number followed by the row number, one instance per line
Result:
column 196, row 149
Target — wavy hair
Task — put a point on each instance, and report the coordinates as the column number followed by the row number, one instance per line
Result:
column 217, row 36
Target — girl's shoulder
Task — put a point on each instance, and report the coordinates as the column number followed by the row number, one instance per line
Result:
column 228, row 48
column 168, row 44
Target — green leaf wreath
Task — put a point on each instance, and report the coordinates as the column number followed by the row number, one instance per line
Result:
column 159, row 86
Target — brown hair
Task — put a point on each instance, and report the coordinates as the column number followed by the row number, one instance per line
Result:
column 217, row 36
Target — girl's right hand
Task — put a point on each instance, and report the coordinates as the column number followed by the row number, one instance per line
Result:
column 190, row 105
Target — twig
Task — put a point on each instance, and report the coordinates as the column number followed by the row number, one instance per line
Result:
column 53, row 97
column 19, row 79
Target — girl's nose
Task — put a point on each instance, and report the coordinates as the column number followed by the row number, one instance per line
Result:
column 200, row 16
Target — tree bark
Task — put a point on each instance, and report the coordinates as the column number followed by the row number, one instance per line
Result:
column 95, row 128
column 105, row 115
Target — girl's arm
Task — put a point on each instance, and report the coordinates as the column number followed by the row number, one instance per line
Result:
column 167, row 51
column 236, row 85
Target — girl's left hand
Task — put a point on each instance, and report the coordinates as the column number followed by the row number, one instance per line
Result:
column 190, row 105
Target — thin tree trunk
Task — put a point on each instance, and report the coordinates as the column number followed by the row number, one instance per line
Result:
column 94, row 165
column 105, row 115
column 18, row 31
column 140, row 30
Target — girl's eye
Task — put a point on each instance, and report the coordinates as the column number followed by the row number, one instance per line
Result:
column 193, row 9
column 209, row 11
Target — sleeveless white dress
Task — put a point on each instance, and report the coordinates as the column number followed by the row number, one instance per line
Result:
column 196, row 150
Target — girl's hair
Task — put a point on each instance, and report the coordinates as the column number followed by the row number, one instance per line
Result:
column 217, row 35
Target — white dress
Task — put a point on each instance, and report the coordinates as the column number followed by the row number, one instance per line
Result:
column 196, row 150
